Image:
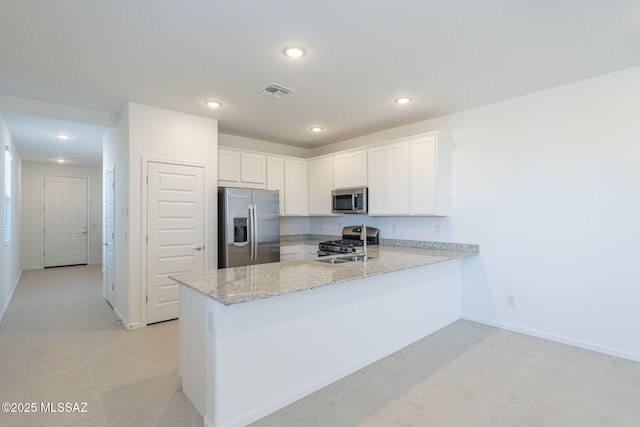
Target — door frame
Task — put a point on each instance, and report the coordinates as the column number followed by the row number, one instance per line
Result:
column 43, row 220
column 104, row 231
column 144, row 214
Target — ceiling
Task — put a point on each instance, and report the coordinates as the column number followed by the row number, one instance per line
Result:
column 82, row 60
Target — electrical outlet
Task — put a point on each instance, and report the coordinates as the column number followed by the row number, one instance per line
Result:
column 511, row 301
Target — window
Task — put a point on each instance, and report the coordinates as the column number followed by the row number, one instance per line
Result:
column 7, row 195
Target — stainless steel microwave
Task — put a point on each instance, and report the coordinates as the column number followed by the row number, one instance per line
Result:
column 349, row 200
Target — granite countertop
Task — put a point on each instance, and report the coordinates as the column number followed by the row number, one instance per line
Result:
column 243, row 284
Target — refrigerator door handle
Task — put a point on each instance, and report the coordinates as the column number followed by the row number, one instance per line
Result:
column 250, row 230
column 255, row 232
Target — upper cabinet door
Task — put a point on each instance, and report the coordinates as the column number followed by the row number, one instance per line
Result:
column 275, row 177
column 359, row 169
column 295, row 187
column 228, row 165
column 378, row 171
column 320, row 186
column 350, row 169
column 253, row 169
column 398, row 179
column 410, row 176
column 241, row 169
column 423, row 179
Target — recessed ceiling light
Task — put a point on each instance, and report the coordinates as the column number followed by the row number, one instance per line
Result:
column 316, row 129
column 403, row 100
column 63, row 136
column 61, row 161
column 213, row 104
column 294, row 51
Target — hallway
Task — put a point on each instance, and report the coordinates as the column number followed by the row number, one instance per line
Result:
column 60, row 343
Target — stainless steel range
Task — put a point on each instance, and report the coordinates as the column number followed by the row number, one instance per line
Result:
column 351, row 241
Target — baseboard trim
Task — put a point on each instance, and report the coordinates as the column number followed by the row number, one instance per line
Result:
column 557, row 338
column 15, row 285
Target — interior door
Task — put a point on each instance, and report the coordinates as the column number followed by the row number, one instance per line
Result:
column 175, row 233
column 65, row 220
column 109, row 270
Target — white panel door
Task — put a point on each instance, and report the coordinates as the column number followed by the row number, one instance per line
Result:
column 175, row 230
column 109, row 270
column 65, row 221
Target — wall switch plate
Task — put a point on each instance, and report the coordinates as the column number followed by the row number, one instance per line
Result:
column 511, row 301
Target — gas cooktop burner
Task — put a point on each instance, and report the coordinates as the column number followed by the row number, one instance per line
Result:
column 350, row 241
column 344, row 242
column 339, row 246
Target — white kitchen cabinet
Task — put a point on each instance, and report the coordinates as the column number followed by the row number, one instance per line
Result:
column 320, row 185
column 410, row 176
column 389, row 179
column 253, row 169
column 378, row 189
column 350, row 169
column 228, row 166
column 241, row 169
column 275, row 177
column 424, row 192
column 398, row 179
column 295, row 187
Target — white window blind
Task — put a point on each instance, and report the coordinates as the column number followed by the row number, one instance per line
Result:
column 7, row 195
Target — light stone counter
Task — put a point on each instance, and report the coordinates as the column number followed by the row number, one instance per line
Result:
column 274, row 351
column 243, row 284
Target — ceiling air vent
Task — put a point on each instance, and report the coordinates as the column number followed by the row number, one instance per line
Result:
column 276, row 91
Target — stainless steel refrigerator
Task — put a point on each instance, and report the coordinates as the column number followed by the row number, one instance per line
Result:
column 248, row 227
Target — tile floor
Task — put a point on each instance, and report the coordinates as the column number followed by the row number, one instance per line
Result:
column 59, row 342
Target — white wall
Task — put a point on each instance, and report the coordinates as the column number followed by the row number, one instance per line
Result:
column 547, row 184
column 405, row 228
column 240, row 142
column 290, row 225
column 10, row 259
column 32, row 201
column 153, row 133
column 115, row 154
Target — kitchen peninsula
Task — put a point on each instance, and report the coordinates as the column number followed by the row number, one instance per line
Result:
column 254, row 339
